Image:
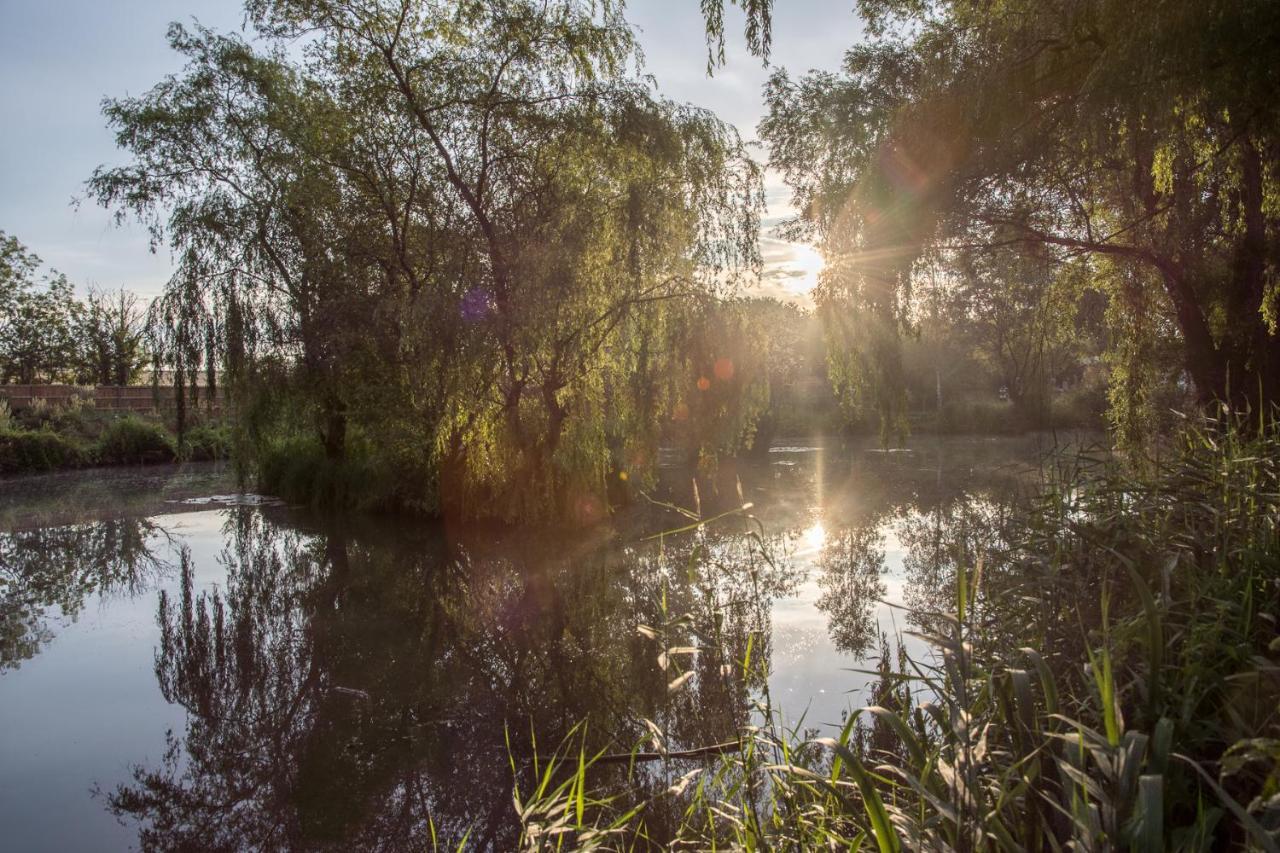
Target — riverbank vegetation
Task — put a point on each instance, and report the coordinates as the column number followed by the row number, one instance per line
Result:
column 49, row 438
column 1101, row 673
column 468, row 261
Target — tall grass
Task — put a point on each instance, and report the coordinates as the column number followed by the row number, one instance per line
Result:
column 1108, row 678
column 294, row 467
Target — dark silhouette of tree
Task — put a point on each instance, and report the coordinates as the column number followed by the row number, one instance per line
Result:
column 62, row 568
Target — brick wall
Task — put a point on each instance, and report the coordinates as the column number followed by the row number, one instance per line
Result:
column 107, row 398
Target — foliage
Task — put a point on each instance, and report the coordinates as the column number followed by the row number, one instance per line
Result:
column 758, row 29
column 1134, row 140
column 206, row 442
column 111, row 337
column 733, row 356
column 41, row 438
column 37, row 318
column 47, row 335
column 1104, row 678
column 460, row 228
column 132, row 440
column 27, row 451
column 296, row 468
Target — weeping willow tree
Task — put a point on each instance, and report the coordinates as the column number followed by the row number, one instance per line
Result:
column 441, row 242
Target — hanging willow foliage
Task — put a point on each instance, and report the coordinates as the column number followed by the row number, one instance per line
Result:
column 442, row 248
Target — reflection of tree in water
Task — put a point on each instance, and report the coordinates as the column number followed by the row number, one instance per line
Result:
column 61, row 567
column 961, row 534
column 725, row 586
column 852, row 563
column 346, row 689
column 944, row 514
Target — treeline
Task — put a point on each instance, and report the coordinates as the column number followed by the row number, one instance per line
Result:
column 464, row 257
column 48, row 335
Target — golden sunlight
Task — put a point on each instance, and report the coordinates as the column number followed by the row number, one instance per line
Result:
column 808, row 263
column 812, row 540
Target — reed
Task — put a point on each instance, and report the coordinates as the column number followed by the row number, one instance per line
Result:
column 1109, row 678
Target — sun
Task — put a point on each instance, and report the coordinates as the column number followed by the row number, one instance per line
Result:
column 808, row 263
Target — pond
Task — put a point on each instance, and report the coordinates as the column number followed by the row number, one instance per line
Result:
column 185, row 673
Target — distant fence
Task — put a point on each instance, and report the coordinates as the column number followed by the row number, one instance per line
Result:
column 104, row 398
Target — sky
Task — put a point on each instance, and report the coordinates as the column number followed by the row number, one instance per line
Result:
column 60, row 58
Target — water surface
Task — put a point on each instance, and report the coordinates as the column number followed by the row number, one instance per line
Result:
column 177, row 674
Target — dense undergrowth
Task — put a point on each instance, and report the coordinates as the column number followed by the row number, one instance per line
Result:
column 1107, row 677
column 76, row 437
column 295, row 468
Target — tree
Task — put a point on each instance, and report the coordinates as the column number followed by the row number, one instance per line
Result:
column 1017, row 313
column 239, row 152
column 111, row 334
column 452, row 227
column 36, row 318
column 1141, row 137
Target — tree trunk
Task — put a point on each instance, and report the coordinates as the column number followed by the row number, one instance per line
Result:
column 1203, row 359
column 1258, row 364
column 334, row 431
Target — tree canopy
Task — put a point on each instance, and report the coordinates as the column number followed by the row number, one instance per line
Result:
column 1139, row 139
column 48, row 335
column 464, row 226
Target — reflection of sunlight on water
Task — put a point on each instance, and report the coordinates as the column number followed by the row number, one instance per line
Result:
column 812, row 540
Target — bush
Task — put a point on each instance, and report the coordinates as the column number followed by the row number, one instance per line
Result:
column 78, row 420
column 1083, row 407
column 26, row 451
column 981, row 416
column 296, row 469
column 206, row 442
column 131, row 440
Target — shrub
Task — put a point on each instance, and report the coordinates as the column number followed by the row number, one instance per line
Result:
column 131, row 440
column 1083, row 407
column 206, row 442
column 25, row 451
column 77, row 420
column 981, row 416
column 296, row 469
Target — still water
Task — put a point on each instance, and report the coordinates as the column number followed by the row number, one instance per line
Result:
column 185, row 673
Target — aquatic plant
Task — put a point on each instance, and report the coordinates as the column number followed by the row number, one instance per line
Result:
column 1107, row 678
